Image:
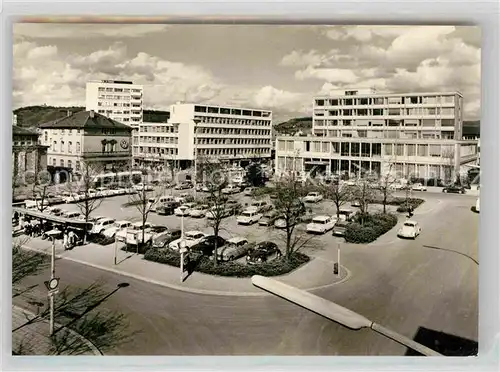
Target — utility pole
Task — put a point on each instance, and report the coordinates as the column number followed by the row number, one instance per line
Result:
column 196, row 121
column 52, row 284
column 338, row 260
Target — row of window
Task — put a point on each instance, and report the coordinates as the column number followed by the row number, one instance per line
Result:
column 119, row 90
column 119, row 104
column 151, row 139
column 62, row 131
column 413, row 100
column 403, row 134
column 204, row 152
column 233, row 131
column 233, row 141
column 230, row 111
column 216, row 120
column 387, row 123
column 62, row 147
column 68, row 164
column 419, row 111
column 159, row 128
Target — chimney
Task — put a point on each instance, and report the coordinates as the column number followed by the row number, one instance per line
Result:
column 68, row 113
column 91, row 113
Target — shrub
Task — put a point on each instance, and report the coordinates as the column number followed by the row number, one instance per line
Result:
column 131, row 203
column 236, row 269
column 374, row 226
column 413, row 202
column 133, row 248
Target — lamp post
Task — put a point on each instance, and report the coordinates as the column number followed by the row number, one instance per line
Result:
column 182, row 244
column 53, row 283
column 337, row 313
column 196, row 122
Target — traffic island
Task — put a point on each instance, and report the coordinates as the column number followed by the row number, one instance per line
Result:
column 366, row 228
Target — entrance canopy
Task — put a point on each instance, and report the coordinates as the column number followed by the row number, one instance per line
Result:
column 54, row 219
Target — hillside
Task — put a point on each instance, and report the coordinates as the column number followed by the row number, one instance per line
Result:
column 304, row 124
column 32, row 116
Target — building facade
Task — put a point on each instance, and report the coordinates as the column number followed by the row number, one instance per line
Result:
column 235, row 135
column 356, row 131
column 28, row 155
column 87, row 137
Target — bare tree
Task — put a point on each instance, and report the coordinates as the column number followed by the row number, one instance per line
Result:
column 289, row 206
column 75, row 310
column 364, row 194
column 449, row 167
column 385, row 186
column 338, row 192
column 216, row 179
column 84, row 184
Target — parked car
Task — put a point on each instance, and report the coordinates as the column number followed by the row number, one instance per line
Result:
column 149, row 234
column 261, row 206
column 121, row 235
column 313, row 197
column 101, row 225
column 218, row 211
column 347, row 214
column 410, row 229
column 249, row 216
column 111, row 231
column 166, row 209
column 268, row 218
column 233, row 206
column 143, row 187
column 199, row 211
column 191, row 238
column 339, row 228
column 231, row 189
column 199, row 187
column 249, row 191
column 263, row 252
column 478, row 204
column 103, row 192
column 54, row 199
column 207, row 245
column 418, row 187
column 161, row 240
column 233, row 249
column 457, row 189
column 71, row 215
column 356, row 203
column 184, row 209
column 321, row 224
column 54, row 211
column 183, row 185
column 396, row 186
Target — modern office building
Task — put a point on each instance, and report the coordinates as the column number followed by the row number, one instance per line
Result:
column 233, row 135
column 86, row 136
column 28, row 155
column 408, row 134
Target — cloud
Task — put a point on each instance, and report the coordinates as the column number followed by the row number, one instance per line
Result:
column 333, row 75
column 85, row 30
column 299, row 58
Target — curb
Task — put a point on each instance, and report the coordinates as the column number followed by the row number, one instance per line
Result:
column 187, row 289
column 90, row 345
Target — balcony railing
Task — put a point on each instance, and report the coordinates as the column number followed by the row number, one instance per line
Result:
column 106, row 154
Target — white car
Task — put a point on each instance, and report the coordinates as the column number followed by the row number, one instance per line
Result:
column 396, row 186
column 280, row 223
column 231, row 189
column 199, row 211
column 101, row 225
column 54, row 211
column 418, row 187
column 141, row 186
column 70, row 198
column 154, row 202
column 72, row 215
column 121, row 235
column 184, row 209
column 191, row 238
column 478, row 204
column 356, row 203
column 249, row 217
column 321, row 224
column 313, row 197
column 410, row 229
column 110, row 232
column 181, row 198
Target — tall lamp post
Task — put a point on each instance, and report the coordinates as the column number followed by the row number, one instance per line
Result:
column 337, row 313
column 182, row 244
column 52, row 284
column 195, row 157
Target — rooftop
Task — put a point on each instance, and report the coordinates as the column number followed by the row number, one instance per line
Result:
column 84, row 119
column 16, row 130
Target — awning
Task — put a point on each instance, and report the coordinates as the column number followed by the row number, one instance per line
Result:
column 51, row 218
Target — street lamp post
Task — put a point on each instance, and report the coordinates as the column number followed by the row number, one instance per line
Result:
column 337, row 313
column 53, row 283
column 196, row 121
column 182, row 244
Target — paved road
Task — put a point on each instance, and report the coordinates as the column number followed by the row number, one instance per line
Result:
column 397, row 283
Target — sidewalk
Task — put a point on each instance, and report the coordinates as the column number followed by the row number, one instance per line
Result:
column 318, row 273
column 34, row 339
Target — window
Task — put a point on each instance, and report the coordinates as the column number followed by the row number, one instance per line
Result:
column 447, row 122
column 410, row 149
column 320, row 102
column 362, row 133
column 378, row 101
column 62, row 162
column 54, row 162
column 325, row 146
column 435, row 150
column 344, row 149
column 394, row 111
column 388, row 149
column 362, row 112
column 376, row 149
column 54, row 146
column 365, row 149
column 399, row 149
column 46, row 133
column 378, row 112
column 62, row 146
column 70, row 164
column 70, row 147
column 422, row 150
column 335, row 147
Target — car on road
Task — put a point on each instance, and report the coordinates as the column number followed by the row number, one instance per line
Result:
column 234, row 248
column 456, row 189
column 111, row 231
column 184, row 209
column 418, row 187
column 313, row 197
column 101, row 225
column 263, row 252
column 161, row 240
column 121, row 235
column 410, row 229
column 249, row 216
column 321, row 224
column 339, row 228
column 191, row 238
column 262, row 206
column 199, row 211
column 183, row 185
column 268, row 218
column 231, row 189
column 207, row 245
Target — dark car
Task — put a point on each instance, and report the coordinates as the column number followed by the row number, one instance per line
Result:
column 166, row 209
column 162, row 239
column 263, row 252
column 207, row 245
column 456, row 189
column 339, row 228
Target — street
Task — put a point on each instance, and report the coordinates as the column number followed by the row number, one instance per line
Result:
column 401, row 284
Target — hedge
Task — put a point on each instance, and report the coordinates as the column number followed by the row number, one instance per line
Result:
column 413, row 202
column 204, row 265
column 374, row 226
column 143, row 248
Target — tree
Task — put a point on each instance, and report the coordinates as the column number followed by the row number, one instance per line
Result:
column 39, row 190
column 215, row 178
column 364, row 194
column 385, row 184
column 255, row 175
column 84, row 183
column 75, row 310
column 288, row 204
column 338, row 192
column 449, row 167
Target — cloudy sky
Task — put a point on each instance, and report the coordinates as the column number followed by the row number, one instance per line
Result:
column 275, row 67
